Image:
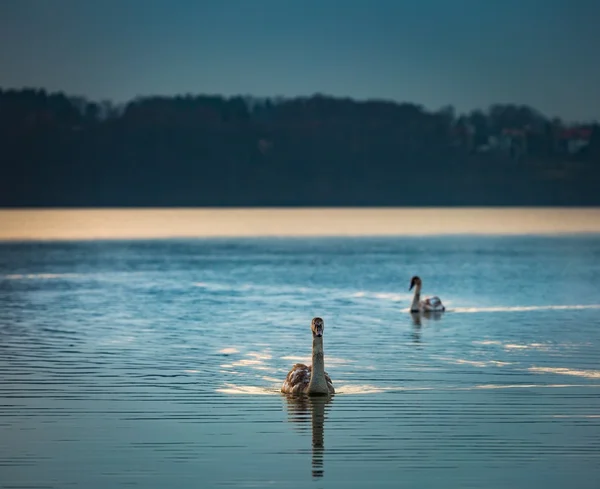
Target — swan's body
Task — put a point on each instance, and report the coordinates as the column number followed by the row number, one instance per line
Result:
column 298, row 380
column 429, row 304
column 310, row 379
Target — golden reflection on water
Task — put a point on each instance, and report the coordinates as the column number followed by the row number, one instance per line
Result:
column 86, row 224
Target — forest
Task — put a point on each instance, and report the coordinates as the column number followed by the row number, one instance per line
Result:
column 58, row 150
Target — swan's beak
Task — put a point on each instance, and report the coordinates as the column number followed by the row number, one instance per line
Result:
column 411, row 286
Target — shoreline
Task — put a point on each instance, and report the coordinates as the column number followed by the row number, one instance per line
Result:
column 163, row 223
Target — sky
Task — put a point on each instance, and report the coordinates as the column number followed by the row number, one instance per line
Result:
column 467, row 53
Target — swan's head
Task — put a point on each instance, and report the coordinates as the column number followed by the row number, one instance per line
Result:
column 414, row 282
column 317, row 325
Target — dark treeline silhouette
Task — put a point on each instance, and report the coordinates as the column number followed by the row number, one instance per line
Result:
column 316, row 151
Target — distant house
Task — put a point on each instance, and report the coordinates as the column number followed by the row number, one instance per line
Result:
column 574, row 139
column 513, row 141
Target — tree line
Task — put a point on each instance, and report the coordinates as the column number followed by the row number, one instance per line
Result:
column 320, row 150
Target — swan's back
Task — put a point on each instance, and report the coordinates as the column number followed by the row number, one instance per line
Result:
column 298, row 379
column 432, row 304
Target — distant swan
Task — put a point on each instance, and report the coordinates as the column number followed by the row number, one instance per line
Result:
column 430, row 304
column 312, row 379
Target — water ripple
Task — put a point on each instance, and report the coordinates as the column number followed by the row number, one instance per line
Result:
column 159, row 364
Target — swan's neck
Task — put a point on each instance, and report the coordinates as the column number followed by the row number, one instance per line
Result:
column 414, row 307
column 318, row 384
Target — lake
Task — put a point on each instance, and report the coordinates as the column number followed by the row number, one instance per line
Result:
column 157, row 363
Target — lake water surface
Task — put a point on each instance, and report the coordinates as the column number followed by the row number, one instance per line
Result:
column 157, row 364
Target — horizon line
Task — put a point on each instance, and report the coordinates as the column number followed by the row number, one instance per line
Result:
column 80, row 224
column 279, row 98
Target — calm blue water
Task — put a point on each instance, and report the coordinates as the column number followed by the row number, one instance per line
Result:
column 158, row 364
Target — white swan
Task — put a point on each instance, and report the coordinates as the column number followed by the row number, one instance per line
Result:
column 430, row 304
column 311, row 379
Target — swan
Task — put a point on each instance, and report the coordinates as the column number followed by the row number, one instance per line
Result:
column 430, row 304
column 311, row 379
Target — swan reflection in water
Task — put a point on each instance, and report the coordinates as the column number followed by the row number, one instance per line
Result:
column 417, row 318
column 299, row 409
